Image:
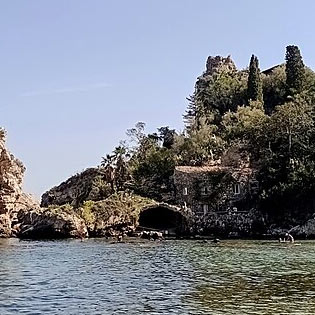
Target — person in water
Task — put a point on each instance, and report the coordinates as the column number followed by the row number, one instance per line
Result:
column 287, row 238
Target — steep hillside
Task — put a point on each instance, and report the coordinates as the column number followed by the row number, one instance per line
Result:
column 12, row 196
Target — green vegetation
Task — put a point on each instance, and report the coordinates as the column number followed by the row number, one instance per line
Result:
column 295, row 70
column 119, row 208
column 254, row 85
column 277, row 136
column 87, row 213
column 267, row 117
column 66, row 208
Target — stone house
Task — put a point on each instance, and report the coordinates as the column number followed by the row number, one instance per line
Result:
column 215, row 189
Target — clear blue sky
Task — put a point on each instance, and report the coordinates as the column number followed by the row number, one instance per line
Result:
column 76, row 74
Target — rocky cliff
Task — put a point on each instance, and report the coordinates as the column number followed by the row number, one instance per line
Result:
column 12, row 197
column 87, row 185
column 218, row 64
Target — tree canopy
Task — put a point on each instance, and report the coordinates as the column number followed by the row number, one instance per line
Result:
column 254, row 85
column 267, row 116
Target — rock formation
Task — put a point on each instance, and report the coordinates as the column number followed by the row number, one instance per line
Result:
column 117, row 214
column 51, row 223
column 12, row 197
column 215, row 66
column 218, row 63
column 88, row 185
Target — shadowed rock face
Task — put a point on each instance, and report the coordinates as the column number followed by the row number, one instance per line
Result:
column 75, row 190
column 50, row 224
column 12, row 197
column 163, row 217
column 160, row 218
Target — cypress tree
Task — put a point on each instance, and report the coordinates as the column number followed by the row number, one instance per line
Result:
column 190, row 115
column 295, row 70
column 254, row 84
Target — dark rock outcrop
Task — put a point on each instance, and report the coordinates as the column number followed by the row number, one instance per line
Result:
column 88, row 185
column 50, row 223
column 232, row 224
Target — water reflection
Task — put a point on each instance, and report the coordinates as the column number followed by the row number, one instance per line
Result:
column 172, row 277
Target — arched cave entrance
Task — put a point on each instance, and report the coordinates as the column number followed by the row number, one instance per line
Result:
column 163, row 219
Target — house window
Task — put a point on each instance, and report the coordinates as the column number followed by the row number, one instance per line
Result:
column 204, row 190
column 185, row 191
column 205, row 209
column 236, row 188
column 254, row 185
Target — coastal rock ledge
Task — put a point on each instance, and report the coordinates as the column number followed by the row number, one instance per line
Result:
column 50, row 223
column 12, row 197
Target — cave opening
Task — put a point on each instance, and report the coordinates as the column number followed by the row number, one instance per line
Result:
column 162, row 219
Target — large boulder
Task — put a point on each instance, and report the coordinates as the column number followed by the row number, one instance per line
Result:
column 50, row 223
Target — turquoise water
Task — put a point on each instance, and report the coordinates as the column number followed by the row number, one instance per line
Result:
column 169, row 277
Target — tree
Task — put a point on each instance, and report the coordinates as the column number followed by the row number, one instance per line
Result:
column 214, row 95
column 115, row 167
column 290, row 131
column 254, row 84
column 167, row 136
column 295, row 70
column 190, row 113
column 152, row 162
column 287, row 169
column 152, row 173
column 247, row 124
column 136, row 134
column 274, row 88
column 198, row 146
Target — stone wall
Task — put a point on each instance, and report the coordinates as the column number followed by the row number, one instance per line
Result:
column 221, row 199
column 214, row 188
column 232, row 224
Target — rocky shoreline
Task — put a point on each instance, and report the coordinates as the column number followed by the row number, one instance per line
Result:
column 44, row 223
column 53, row 223
column 64, row 215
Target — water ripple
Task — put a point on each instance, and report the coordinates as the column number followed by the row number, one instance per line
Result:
column 171, row 277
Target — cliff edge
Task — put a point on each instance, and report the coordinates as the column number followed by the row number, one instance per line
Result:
column 12, row 197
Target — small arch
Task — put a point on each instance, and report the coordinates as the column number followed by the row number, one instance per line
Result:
column 163, row 218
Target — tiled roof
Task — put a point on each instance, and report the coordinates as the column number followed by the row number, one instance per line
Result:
column 270, row 70
column 209, row 169
column 200, row 169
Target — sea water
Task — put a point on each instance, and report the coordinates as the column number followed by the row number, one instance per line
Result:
column 98, row 276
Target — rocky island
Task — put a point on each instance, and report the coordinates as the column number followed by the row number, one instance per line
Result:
column 243, row 167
